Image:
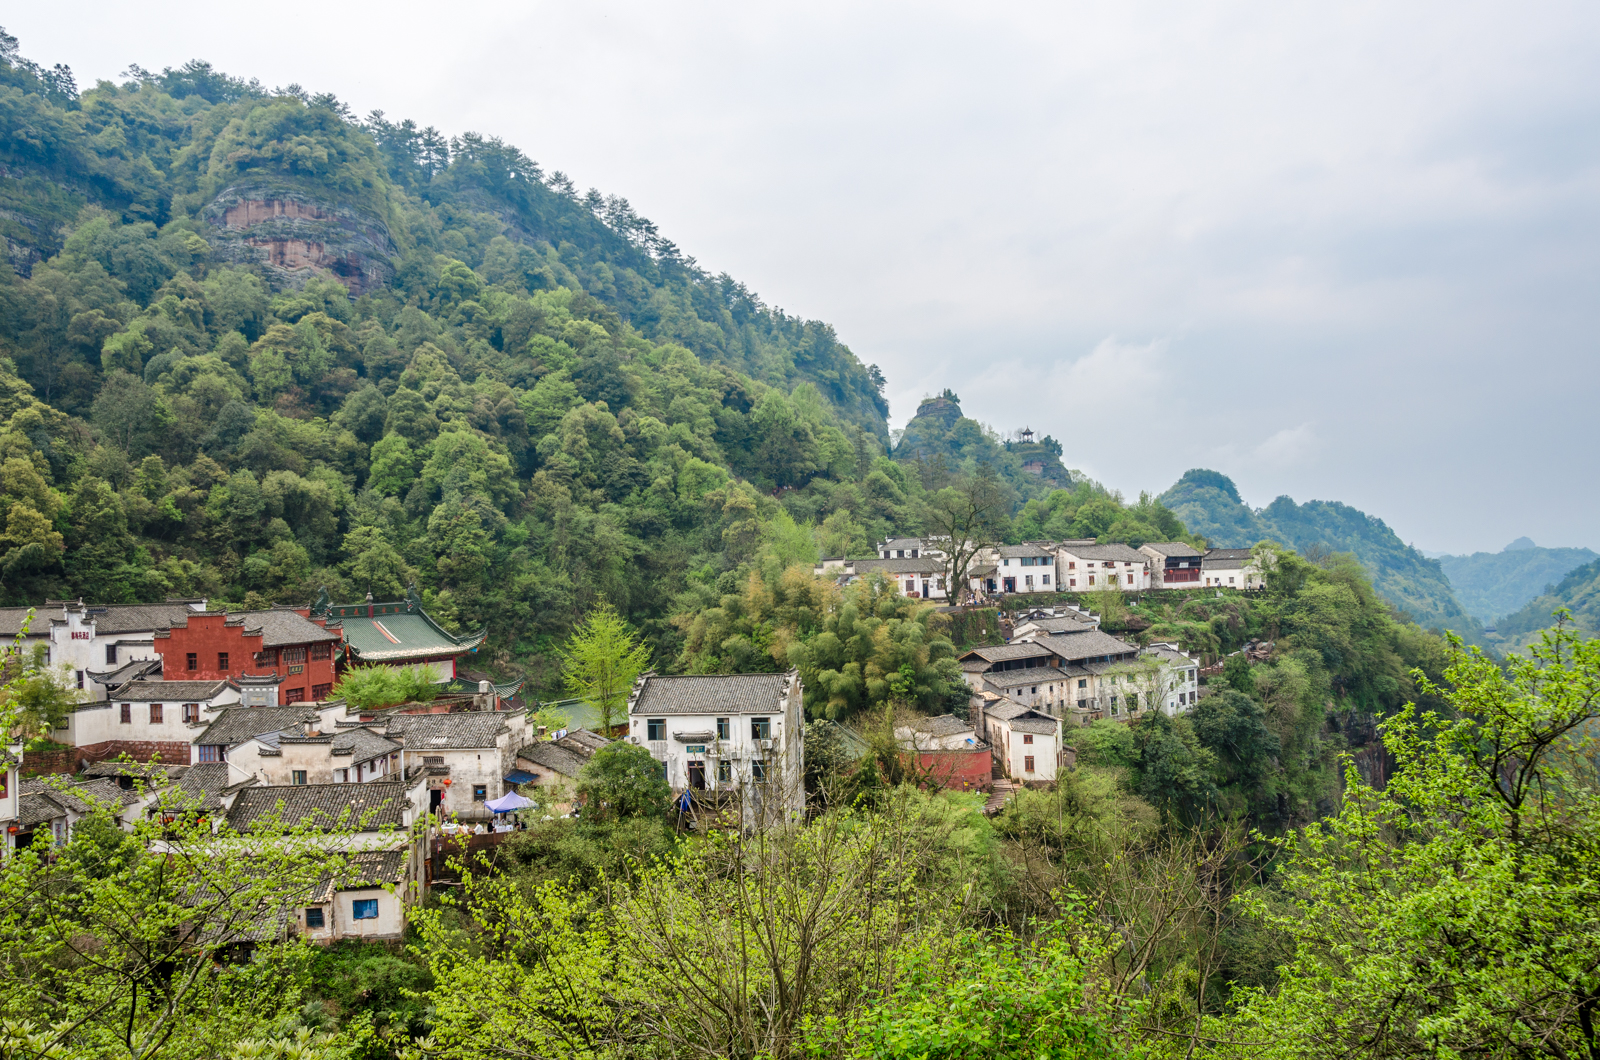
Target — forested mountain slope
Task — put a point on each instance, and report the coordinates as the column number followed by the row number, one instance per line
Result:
column 1210, row 505
column 1491, row 584
column 252, row 348
column 1578, row 592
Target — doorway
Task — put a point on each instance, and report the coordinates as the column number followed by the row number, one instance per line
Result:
column 1011, row 585
column 697, row 776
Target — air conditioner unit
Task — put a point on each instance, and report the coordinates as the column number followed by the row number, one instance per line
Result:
column 765, row 745
column 633, row 739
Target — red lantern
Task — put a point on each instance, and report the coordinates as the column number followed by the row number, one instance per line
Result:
column 447, row 782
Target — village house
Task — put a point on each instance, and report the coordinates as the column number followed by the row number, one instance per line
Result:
column 375, row 825
column 145, row 719
column 95, row 638
column 735, row 733
column 1026, row 743
column 950, row 752
column 282, row 643
column 1181, row 679
column 1231, row 568
column 1061, row 622
column 551, row 766
column 307, row 754
column 216, row 738
column 399, row 633
column 468, row 755
column 1088, row 568
column 1023, row 672
column 1025, row 568
column 1174, row 565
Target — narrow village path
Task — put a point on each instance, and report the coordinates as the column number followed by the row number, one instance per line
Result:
column 1003, row 790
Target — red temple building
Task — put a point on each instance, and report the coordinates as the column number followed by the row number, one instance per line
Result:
column 283, row 643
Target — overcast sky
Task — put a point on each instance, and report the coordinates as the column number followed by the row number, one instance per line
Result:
column 1339, row 251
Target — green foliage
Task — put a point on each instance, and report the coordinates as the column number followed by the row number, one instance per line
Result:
column 374, row 687
column 36, row 697
column 622, row 780
column 601, row 661
column 1448, row 912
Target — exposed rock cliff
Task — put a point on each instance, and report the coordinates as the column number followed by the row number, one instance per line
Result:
column 296, row 235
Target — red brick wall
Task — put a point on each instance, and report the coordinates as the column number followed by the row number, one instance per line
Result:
column 207, row 635
column 964, row 770
column 39, row 763
column 169, row 752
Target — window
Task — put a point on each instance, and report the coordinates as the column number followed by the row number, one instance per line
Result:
column 80, row 678
column 1046, row 578
column 1027, row 737
column 266, row 658
column 364, row 909
column 1027, row 763
column 294, row 695
column 656, row 729
column 1072, row 583
column 155, row 714
column 341, row 776
column 222, row 661
column 191, row 712
column 1071, row 565
column 722, row 728
column 1130, row 579
column 209, row 752
column 1091, row 579
column 480, row 793
column 321, row 692
column 724, row 771
column 322, row 651
column 295, row 656
column 313, row 916
column 758, row 771
column 1028, row 581
column 298, row 776
column 1083, row 682
column 192, row 659
column 111, row 654
column 127, row 714
column 761, row 728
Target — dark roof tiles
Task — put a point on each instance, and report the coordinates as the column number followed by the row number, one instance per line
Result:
column 364, row 807
column 722, row 694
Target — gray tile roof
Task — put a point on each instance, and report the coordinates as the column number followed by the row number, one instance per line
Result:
column 322, row 804
column 1007, row 652
column 1019, row 551
column 11, row 621
column 1034, row 675
column 362, row 744
column 1222, row 564
column 38, row 807
column 1004, row 709
column 1037, row 724
column 1227, row 553
column 943, row 725
column 204, row 784
column 552, row 757
column 1089, row 644
column 1079, row 624
column 722, row 694
column 167, row 691
column 127, row 672
column 112, row 768
column 1175, row 657
column 1171, row 548
column 1119, row 553
column 583, row 741
column 235, row 725
column 136, row 618
column 365, row 868
column 281, row 627
column 425, row 732
column 921, row 565
column 902, row 542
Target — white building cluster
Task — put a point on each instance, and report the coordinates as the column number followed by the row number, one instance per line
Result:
column 919, row 567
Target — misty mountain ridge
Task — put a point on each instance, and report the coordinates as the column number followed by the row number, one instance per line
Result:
column 1495, row 584
column 1209, row 504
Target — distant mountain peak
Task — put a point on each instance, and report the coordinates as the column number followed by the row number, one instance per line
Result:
column 1519, row 544
column 1202, row 478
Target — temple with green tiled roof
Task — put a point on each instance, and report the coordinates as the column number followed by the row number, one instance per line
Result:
column 397, row 633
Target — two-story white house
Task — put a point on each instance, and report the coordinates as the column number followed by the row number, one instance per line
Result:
column 1093, row 568
column 738, row 733
column 145, row 720
column 97, row 639
column 1230, row 568
column 1025, row 568
column 1026, row 743
column 471, row 753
